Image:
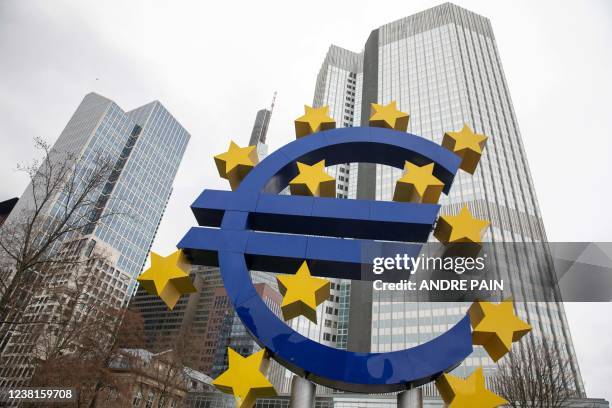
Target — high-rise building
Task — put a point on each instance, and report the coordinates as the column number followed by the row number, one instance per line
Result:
column 163, row 328
column 205, row 323
column 145, row 147
column 207, row 316
column 443, row 67
column 198, row 316
column 232, row 333
column 339, row 85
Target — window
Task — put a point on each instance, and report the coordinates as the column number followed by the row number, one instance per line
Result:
column 137, row 399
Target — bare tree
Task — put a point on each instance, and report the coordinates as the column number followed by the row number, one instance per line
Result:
column 107, row 389
column 89, row 371
column 534, row 375
column 164, row 373
column 63, row 199
column 70, row 344
column 142, row 375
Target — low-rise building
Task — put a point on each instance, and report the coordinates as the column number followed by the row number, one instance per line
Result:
column 143, row 379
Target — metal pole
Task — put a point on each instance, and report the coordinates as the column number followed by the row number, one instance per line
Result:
column 410, row 398
column 302, row 393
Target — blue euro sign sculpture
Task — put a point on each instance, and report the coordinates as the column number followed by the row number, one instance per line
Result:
column 255, row 228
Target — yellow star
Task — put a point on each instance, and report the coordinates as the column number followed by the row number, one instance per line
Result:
column 496, row 327
column 236, row 163
column 313, row 181
column 469, row 393
column 168, row 277
column 418, row 185
column 302, row 294
column 466, row 144
column 462, row 227
column 244, row 379
column 388, row 116
column 314, row 120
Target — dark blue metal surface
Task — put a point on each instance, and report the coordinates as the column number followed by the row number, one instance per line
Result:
column 283, row 253
column 255, row 228
column 389, row 221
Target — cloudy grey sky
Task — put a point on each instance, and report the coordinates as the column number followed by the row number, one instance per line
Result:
column 213, row 64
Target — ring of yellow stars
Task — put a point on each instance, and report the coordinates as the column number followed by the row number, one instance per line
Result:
column 313, row 181
column 244, row 379
column 496, row 327
column 467, row 145
column 469, row 393
column 314, row 120
column 388, row 116
column 302, row 293
column 418, row 185
column 236, row 163
column 167, row 277
column 462, row 227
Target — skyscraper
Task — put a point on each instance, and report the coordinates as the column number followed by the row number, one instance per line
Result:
column 207, row 316
column 260, row 129
column 144, row 147
column 442, row 66
column 339, row 86
column 190, row 317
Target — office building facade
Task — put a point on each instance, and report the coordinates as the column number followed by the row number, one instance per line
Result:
column 207, row 317
column 144, row 148
column 204, row 324
column 442, row 66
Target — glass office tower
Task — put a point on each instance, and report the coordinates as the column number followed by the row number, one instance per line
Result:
column 144, row 147
column 442, row 66
column 149, row 159
column 338, row 86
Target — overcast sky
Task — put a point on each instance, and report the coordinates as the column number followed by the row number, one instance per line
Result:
column 214, row 64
